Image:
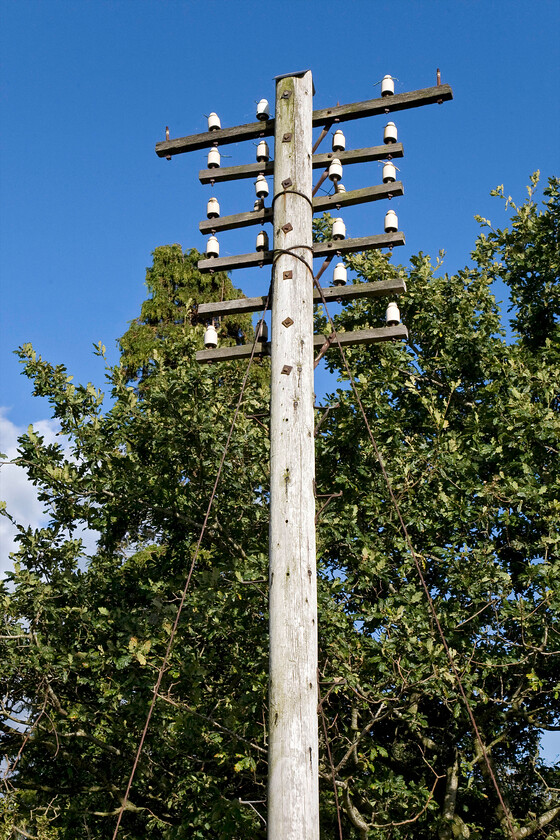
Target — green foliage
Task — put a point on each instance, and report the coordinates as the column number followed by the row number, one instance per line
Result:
column 468, row 427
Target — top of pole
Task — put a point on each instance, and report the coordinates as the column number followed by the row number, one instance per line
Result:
column 287, row 75
column 297, row 75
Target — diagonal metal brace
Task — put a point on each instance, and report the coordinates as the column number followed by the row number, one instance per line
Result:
column 324, row 415
column 327, row 496
column 324, row 348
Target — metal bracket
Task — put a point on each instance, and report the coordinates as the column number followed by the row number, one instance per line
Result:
column 287, row 182
column 287, row 275
column 287, row 369
column 287, row 227
column 324, row 415
column 327, row 496
column 324, row 348
column 287, row 322
column 256, row 417
column 287, row 137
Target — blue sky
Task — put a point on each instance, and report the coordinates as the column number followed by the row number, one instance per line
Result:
column 88, row 87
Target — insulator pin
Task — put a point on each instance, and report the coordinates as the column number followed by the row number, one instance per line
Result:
column 261, row 186
column 213, row 208
column 392, row 315
column 338, row 229
column 210, row 337
column 262, row 332
column 212, row 247
column 340, row 275
column 387, row 86
column 338, row 141
column 335, row 170
column 213, row 158
column 389, row 173
column 262, row 241
column 391, row 222
column 390, row 133
column 263, row 153
column 263, row 110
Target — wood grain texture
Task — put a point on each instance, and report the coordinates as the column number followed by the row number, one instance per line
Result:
column 384, row 152
column 344, row 294
column 221, row 137
column 293, row 780
column 342, row 113
column 329, row 203
column 239, row 220
column 384, row 104
column 251, row 170
column 320, row 205
column 243, row 351
column 320, row 249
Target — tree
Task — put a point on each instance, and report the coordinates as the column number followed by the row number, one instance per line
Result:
column 467, row 424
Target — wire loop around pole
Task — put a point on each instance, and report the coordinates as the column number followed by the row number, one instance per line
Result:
column 277, row 252
column 292, row 192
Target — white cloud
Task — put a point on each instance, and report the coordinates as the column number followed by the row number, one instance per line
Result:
column 19, row 493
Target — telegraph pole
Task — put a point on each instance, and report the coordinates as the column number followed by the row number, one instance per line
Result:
column 293, row 784
column 293, row 780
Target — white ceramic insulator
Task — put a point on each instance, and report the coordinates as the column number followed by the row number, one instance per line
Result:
column 212, row 247
column 389, row 173
column 213, row 208
column 335, row 170
column 210, row 337
column 392, row 315
column 262, row 332
column 261, row 186
column 263, row 153
column 340, row 275
column 213, row 122
column 338, row 229
column 262, row 241
column 338, row 141
column 391, row 222
column 258, row 205
column 387, row 86
column 390, row 133
column 340, row 188
column 263, row 110
column 213, row 158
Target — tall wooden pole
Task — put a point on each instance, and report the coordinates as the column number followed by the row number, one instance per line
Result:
column 293, row 792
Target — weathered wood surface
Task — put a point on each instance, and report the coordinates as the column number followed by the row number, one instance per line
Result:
column 239, row 220
column 240, row 261
column 371, row 336
column 251, row 170
column 364, row 243
column 320, row 205
column 235, row 173
column 344, row 294
column 384, row 104
column 331, row 202
column 293, row 737
column 384, row 152
column 221, row 137
column 320, row 249
column 228, row 354
column 243, row 351
column 343, row 113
